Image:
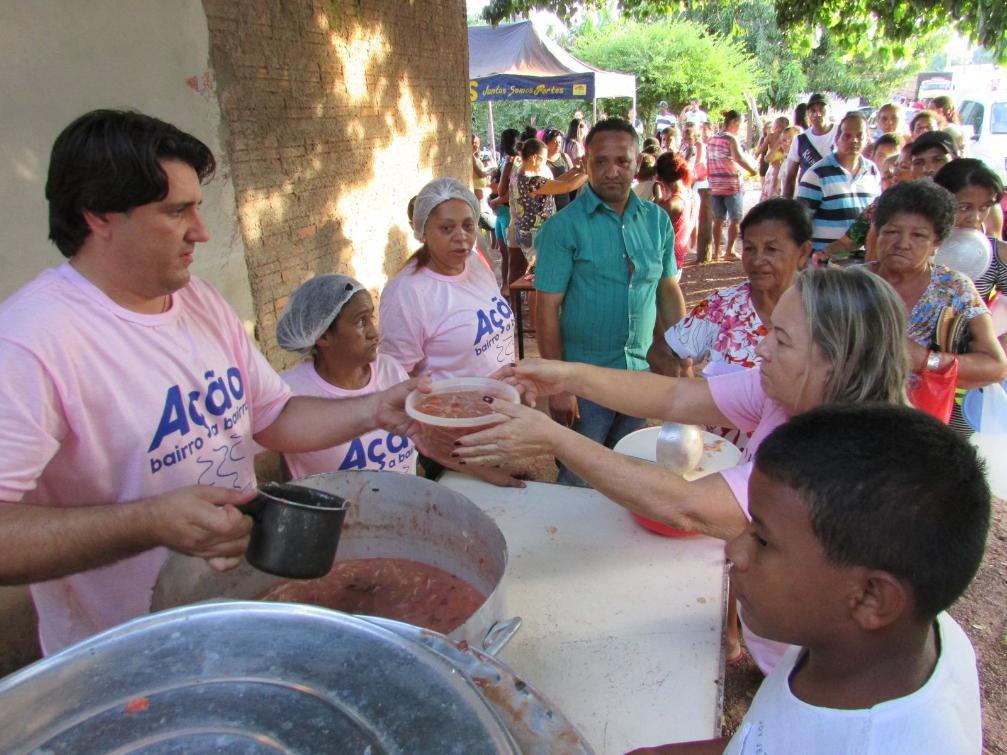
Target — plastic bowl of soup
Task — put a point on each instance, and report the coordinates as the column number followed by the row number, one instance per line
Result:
column 457, row 407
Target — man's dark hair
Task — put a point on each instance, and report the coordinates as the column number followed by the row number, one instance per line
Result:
column 788, row 211
column 921, row 197
column 853, row 115
column 967, row 171
column 889, row 139
column 934, row 139
column 887, row 487
column 110, row 161
column 611, row 125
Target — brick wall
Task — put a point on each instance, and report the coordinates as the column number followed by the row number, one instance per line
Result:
column 335, row 114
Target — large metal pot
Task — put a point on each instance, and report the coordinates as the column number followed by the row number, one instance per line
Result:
column 390, row 516
column 275, row 677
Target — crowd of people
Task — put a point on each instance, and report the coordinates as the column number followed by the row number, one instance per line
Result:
column 135, row 400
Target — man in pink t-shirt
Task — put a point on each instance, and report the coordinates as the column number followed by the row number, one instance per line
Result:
column 131, row 392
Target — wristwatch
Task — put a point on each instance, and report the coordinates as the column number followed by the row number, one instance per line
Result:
column 933, row 361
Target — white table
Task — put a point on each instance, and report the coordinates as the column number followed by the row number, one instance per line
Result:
column 622, row 628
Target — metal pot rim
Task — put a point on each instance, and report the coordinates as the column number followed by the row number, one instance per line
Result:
column 307, row 506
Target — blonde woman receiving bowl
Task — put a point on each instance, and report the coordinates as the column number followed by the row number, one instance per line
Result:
column 836, row 336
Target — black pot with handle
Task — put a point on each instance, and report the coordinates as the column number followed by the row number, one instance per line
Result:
column 296, row 530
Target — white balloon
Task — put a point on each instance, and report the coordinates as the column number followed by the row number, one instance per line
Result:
column 965, row 250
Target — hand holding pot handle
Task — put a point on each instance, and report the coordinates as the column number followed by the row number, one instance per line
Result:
column 202, row 521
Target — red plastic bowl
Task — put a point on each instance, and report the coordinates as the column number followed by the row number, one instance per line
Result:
column 661, row 529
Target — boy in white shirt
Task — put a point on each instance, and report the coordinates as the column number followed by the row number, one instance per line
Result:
column 868, row 521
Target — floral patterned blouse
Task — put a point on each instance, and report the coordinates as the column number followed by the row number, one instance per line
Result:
column 948, row 288
column 725, row 326
column 532, row 210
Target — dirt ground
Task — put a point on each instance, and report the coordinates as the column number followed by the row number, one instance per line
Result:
column 982, row 611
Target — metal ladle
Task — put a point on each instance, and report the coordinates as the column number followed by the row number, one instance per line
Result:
column 679, row 447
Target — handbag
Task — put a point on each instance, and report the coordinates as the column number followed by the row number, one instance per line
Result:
column 934, row 392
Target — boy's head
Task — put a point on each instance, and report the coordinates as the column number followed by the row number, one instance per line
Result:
column 863, row 516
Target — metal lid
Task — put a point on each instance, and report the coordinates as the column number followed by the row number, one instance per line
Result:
column 248, row 677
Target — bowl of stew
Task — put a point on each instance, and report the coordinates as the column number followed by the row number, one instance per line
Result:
column 457, row 407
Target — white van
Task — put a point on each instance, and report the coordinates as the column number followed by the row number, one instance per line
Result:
column 986, row 114
column 930, row 88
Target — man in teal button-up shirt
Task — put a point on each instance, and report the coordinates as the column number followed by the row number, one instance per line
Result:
column 605, row 277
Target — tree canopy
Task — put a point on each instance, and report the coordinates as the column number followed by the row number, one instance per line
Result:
column 871, row 73
column 675, row 60
column 855, row 25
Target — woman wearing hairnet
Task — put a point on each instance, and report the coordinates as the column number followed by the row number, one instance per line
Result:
column 330, row 321
column 443, row 314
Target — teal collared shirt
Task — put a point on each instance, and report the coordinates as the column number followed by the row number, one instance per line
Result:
column 608, row 268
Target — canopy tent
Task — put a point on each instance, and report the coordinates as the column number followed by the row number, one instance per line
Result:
column 513, row 62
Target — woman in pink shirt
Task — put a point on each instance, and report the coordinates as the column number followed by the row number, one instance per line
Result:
column 836, row 336
column 330, row 321
column 443, row 314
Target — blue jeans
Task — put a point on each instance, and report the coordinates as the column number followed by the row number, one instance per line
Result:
column 602, row 425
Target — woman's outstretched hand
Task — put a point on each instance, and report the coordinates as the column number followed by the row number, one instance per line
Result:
column 537, row 377
column 526, row 432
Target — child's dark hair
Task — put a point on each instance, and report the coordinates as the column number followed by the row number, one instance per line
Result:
column 651, row 146
column 890, row 139
column 790, row 212
column 890, row 488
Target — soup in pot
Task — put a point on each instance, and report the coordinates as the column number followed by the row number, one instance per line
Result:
column 392, row 588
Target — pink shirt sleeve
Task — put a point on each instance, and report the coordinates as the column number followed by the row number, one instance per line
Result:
column 740, row 397
column 402, row 335
column 737, row 480
column 32, row 425
column 268, row 392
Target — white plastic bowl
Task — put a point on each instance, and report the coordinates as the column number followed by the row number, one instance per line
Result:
column 487, row 386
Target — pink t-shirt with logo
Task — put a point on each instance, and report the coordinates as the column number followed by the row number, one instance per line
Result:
column 740, row 397
column 102, row 405
column 447, row 325
column 379, row 449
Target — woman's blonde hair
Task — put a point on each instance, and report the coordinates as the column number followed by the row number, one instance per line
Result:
column 859, row 323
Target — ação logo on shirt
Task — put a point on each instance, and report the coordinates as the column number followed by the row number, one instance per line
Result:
column 218, row 403
column 491, row 324
column 358, row 456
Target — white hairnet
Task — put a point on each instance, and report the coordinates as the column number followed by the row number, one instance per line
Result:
column 312, row 308
column 436, row 192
